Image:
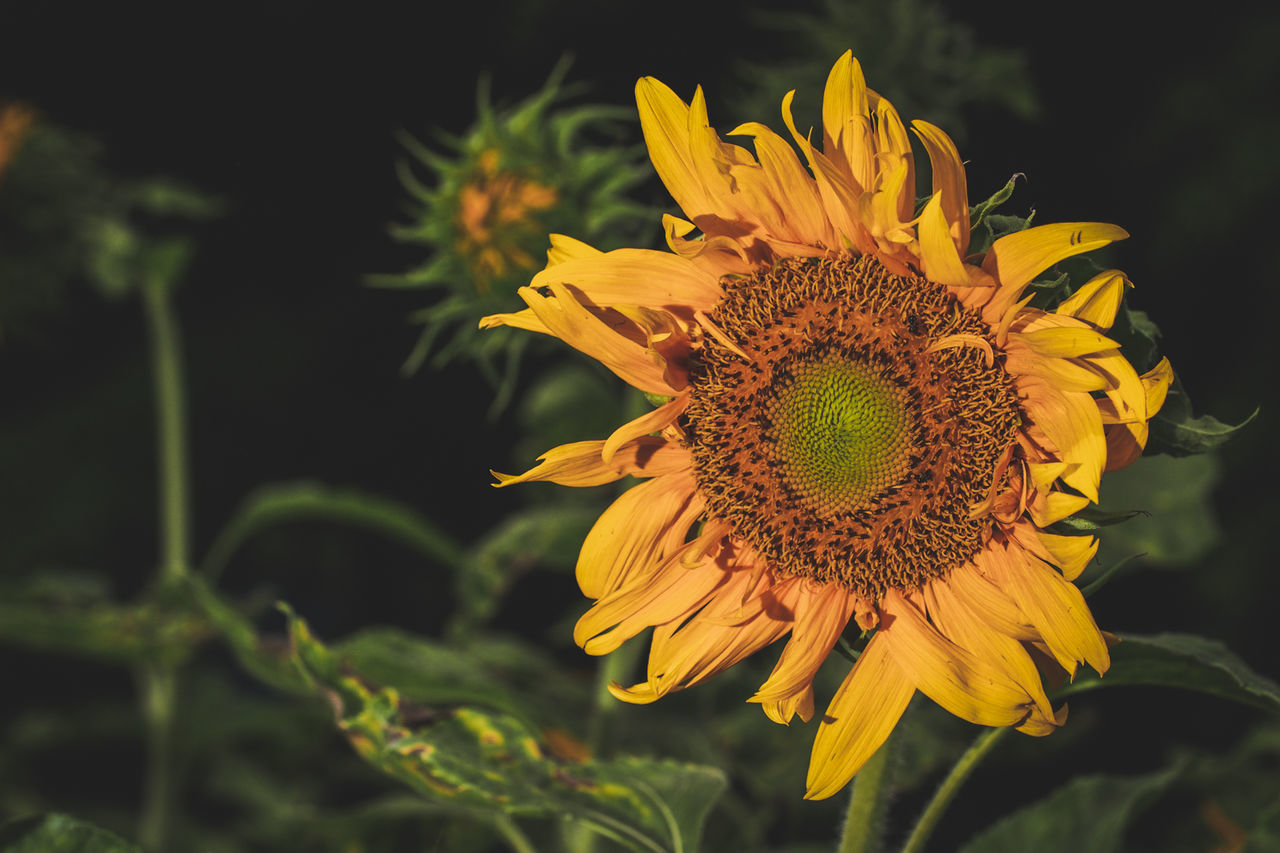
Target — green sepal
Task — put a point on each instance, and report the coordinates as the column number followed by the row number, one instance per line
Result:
column 1090, row 519
column 494, row 762
column 1181, row 660
column 1175, row 431
column 979, row 212
column 60, row 833
column 1088, row 813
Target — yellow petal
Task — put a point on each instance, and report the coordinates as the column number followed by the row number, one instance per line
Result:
column 967, row 686
column 859, row 719
column 1015, row 259
column 672, row 592
column 570, row 321
column 1097, row 302
column 637, row 277
column 970, row 630
column 1054, row 605
column 822, row 613
column 664, row 121
column 948, row 181
column 792, row 188
column 654, row 421
column 1072, row 422
column 844, row 106
column 525, row 319
column 580, row 463
column 1065, row 342
column 565, row 248
column 636, row 532
column 938, row 256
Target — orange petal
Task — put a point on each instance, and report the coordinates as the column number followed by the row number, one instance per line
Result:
column 672, row 592
column 822, row 613
column 948, row 181
column 650, row 422
column 966, row 685
column 643, row 277
column 635, row 532
column 1097, row 302
column 570, row 321
column 1072, row 422
column 580, row 463
column 1054, row 605
column 859, row 719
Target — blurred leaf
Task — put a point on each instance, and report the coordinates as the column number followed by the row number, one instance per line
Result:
column 994, row 226
column 272, row 666
column 281, row 503
column 492, row 762
column 1181, row 660
column 523, row 540
column 59, row 833
column 424, row 672
column 1089, row 813
column 1176, row 523
column 1176, row 432
column 67, row 615
column 1265, row 835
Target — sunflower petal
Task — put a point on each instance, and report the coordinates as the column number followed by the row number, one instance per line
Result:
column 1097, row 302
column 1015, row 259
column 580, row 463
column 859, row 719
column 632, row 535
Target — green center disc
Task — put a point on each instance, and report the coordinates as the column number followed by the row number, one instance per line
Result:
column 840, row 433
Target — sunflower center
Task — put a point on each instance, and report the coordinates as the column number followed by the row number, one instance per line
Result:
column 846, row 447
column 840, row 431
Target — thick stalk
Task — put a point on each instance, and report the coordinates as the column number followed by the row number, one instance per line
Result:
column 950, row 787
column 159, row 680
column 864, row 821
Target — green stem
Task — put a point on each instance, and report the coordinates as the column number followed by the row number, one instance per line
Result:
column 616, row 666
column 171, row 431
column 159, row 681
column 950, row 787
column 518, row 840
column 159, row 690
column 864, row 821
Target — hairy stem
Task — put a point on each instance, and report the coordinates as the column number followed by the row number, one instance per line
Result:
column 950, row 787
column 864, row 821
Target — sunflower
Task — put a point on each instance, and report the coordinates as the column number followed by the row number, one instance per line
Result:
column 860, row 420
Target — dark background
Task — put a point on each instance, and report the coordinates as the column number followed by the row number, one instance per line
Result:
column 287, row 111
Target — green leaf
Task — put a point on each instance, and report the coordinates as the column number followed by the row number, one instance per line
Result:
column 1091, row 519
column 1176, row 432
column 493, row 762
column 59, row 833
column 282, row 503
column 1177, row 524
column 979, row 211
column 1181, row 660
column 1089, row 813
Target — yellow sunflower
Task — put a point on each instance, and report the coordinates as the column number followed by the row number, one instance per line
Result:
column 862, row 421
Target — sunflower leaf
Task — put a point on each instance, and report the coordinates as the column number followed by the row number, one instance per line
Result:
column 1176, row 432
column 1089, row 813
column 494, row 762
column 59, row 833
column 280, row 503
column 979, row 211
column 1182, row 660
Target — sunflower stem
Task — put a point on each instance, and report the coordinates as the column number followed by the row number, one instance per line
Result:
column 615, row 666
column 864, row 821
column 950, row 787
column 159, row 682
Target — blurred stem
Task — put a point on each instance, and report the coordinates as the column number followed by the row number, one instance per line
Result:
column 950, row 787
column 864, row 821
column 171, row 430
column 615, row 666
column 518, row 840
column 159, row 680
